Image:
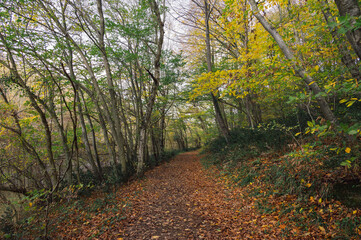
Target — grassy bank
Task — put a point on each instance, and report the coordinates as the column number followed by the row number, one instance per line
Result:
column 305, row 188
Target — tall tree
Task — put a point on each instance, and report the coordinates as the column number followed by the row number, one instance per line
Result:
column 220, row 119
column 299, row 70
column 145, row 122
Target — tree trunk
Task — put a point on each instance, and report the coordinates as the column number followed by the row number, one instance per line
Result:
column 111, row 88
column 145, row 122
column 141, row 151
column 156, row 138
column 351, row 9
column 94, row 142
column 247, row 104
column 346, row 58
column 86, row 142
column 219, row 118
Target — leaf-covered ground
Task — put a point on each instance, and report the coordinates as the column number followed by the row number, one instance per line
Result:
column 177, row 200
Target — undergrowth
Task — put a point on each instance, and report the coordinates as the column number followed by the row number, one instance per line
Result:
column 301, row 186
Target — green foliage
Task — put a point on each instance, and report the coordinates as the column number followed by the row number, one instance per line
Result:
column 342, row 141
column 304, row 176
column 293, row 122
column 346, row 23
column 97, row 205
column 249, row 141
column 7, row 225
column 350, row 226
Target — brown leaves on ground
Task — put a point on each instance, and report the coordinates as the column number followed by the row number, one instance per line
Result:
column 177, row 200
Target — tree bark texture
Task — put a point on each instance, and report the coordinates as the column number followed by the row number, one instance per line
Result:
column 346, row 57
column 351, row 9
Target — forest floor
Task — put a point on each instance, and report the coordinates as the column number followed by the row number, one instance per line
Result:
column 179, row 199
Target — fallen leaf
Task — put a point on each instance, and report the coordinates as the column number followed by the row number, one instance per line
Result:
column 282, row 226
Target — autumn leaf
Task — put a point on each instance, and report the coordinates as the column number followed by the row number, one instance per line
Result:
column 282, row 226
column 322, row 230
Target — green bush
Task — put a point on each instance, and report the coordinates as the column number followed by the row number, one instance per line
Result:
column 7, row 225
column 247, row 143
column 298, row 120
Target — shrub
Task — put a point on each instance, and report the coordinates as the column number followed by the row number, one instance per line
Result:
column 7, row 225
column 247, row 143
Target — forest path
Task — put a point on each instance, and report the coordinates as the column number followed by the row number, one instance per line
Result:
column 181, row 201
column 176, row 200
column 170, row 207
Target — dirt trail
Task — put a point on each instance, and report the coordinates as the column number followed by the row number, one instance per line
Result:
column 176, row 200
column 168, row 206
column 181, row 202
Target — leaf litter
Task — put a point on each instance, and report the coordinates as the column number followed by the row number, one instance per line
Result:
column 182, row 200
